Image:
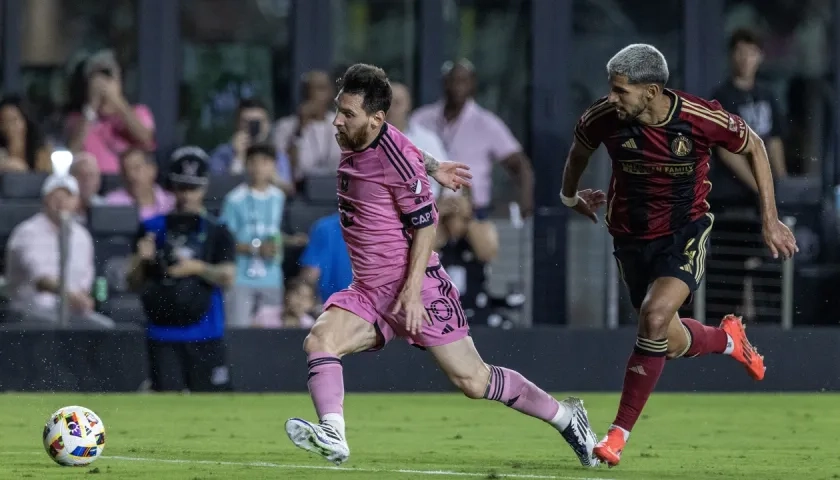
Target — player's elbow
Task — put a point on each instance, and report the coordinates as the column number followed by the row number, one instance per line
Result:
column 755, row 144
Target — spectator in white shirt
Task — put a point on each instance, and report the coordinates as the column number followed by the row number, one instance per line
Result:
column 33, row 261
column 308, row 137
column 420, row 136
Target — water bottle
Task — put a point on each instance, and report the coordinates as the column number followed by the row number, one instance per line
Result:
column 278, row 241
column 100, row 291
column 256, row 265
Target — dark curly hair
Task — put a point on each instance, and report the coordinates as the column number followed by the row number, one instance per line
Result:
column 34, row 137
column 371, row 83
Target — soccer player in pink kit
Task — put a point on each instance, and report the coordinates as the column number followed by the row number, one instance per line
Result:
column 399, row 289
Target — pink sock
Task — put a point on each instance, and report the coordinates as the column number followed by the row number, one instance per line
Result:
column 326, row 383
column 515, row 391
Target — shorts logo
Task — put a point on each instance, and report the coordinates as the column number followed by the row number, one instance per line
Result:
column 441, row 311
column 689, row 254
column 681, row 146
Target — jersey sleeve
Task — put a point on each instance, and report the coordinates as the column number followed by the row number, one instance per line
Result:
column 591, row 128
column 722, row 128
column 405, row 177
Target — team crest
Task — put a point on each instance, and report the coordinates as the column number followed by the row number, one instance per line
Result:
column 732, row 126
column 681, row 146
column 344, row 182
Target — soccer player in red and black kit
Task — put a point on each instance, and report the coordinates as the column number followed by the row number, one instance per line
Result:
column 659, row 141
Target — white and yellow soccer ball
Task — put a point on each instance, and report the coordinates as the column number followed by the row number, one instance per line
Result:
column 74, row 436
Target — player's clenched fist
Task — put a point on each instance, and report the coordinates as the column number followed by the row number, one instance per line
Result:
column 415, row 313
column 779, row 239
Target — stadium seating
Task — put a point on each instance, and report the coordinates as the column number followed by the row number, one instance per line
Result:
column 321, row 189
column 302, row 215
column 110, row 183
column 21, row 185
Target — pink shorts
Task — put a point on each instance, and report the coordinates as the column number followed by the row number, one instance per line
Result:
column 439, row 295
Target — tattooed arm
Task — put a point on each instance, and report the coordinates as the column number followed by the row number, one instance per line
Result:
column 432, row 164
column 452, row 175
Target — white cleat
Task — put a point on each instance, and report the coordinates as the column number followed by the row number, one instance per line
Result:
column 319, row 438
column 579, row 434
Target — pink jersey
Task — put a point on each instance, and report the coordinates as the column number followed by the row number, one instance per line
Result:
column 383, row 196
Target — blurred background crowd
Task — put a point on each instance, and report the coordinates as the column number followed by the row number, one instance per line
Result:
column 97, row 95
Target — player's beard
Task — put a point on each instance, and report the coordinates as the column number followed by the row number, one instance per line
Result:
column 629, row 114
column 348, row 141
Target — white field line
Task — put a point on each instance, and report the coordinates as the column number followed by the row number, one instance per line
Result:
column 283, row 466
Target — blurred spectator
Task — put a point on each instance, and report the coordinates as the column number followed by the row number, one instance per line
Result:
column 182, row 263
column 757, row 105
column 86, row 171
column 33, row 261
column 139, row 172
column 325, row 261
column 253, row 212
column 309, row 136
column 466, row 247
column 298, row 305
column 477, row 137
column 420, row 136
column 22, row 146
column 253, row 127
column 101, row 121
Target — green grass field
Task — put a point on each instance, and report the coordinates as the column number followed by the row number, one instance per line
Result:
column 399, row 437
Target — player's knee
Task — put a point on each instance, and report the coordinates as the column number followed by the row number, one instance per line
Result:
column 473, row 386
column 654, row 320
column 319, row 340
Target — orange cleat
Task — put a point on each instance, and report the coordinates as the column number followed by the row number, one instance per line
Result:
column 743, row 351
column 609, row 449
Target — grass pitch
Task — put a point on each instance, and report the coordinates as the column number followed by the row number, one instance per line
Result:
column 400, row 437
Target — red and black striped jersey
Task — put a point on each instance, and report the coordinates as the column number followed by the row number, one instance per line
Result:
column 660, row 172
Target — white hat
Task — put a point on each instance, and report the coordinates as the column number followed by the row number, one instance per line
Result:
column 56, row 181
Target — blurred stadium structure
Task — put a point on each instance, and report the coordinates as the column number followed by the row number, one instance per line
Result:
column 539, row 63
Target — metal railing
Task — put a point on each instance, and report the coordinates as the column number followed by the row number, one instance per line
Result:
column 740, row 276
column 63, row 255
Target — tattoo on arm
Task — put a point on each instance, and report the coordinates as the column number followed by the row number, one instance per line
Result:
column 430, row 162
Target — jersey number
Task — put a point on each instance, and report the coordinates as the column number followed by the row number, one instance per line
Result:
column 346, row 210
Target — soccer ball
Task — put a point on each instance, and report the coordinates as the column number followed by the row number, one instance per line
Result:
column 74, row 436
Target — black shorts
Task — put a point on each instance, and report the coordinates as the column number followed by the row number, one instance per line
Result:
column 680, row 255
column 195, row 366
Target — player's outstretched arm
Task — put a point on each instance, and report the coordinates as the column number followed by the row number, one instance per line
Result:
column 576, row 163
column 777, row 236
column 584, row 202
column 451, row 175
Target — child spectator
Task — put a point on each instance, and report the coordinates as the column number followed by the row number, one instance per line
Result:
column 253, row 212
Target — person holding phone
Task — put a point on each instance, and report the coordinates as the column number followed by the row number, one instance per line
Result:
column 101, row 121
column 253, row 127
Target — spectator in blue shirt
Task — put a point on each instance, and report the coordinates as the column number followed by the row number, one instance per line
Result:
column 325, row 261
column 253, row 212
column 253, row 126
